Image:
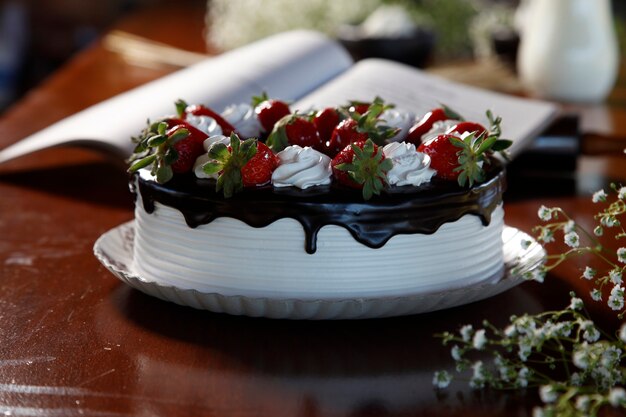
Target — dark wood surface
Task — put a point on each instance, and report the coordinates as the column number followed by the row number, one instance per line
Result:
column 76, row 341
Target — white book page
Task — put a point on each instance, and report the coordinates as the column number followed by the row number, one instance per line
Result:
column 416, row 91
column 286, row 66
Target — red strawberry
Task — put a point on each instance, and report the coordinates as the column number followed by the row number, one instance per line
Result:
column 443, row 156
column 362, row 165
column 258, row 170
column 467, row 127
column 269, row 111
column 325, row 122
column 242, row 164
column 346, row 132
column 359, row 107
column 462, row 158
column 199, row 110
column 293, row 129
column 428, row 120
column 188, row 149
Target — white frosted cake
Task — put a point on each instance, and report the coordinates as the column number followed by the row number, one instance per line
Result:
column 365, row 221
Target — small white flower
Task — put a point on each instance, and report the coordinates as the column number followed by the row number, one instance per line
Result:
column 589, row 273
column 598, row 231
column 441, row 379
column 617, row 396
column 569, row 226
column 479, row 341
column 572, row 239
column 478, row 376
column 510, row 331
column 548, row 394
column 580, row 358
column 466, row 332
column 544, row 213
column 525, row 348
column 599, row 196
column 590, row 333
column 576, row 304
column 621, row 255
column 616, row 298
column 609, row 220
column 611, row 356
column 596, row 294
column 583, row 402
column 622, row 333
column 546, row 235
column 539, row 412
column 537, row 274
column 621, row 193
column 576, row 379
column 522, row 377
column 616, row 276
column 456, row 353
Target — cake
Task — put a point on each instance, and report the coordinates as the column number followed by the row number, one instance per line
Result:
column 324, row 224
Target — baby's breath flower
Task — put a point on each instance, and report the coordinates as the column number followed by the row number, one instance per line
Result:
column 621, row 255
column 596, row 294
column 569, row 226
column 617, row 397
column 609, row 220
column 456, row 353
column 572, row 239
column 622, row 333
column 539, row 412
column 616, row 298
column 510, row 331
column 546, row 235
column 576, row 304
column 589, row 273
column 544, row 213
column 522, row 377
column 598, row 231
column 598, row 196
column 580, row 358
column 616, row 276
column 611, row 356
column 466, row 332
column 479, row 377
column 479, row 341
column 575, row 379
column 621, row 193
column 525, row 348
column 441, row 379
column 590, row 333
column 537, row 274
column 548, row 393
column 583, row 402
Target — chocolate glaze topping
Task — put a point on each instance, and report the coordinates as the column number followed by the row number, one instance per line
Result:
column 399, row 210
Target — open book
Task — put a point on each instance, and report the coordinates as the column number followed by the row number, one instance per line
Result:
column 303, row 67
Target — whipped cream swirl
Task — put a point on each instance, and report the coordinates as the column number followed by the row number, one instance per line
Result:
column 244, row 120
column 439, row 128
column 204, row 158
column 409, row 166
column 204, row 124
column 301, row 167
column 398, row 119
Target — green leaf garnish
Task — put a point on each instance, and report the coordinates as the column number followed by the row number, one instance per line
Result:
column 229, row 164
column 368, row 168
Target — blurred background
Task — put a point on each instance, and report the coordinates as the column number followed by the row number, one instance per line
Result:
column 38, row 36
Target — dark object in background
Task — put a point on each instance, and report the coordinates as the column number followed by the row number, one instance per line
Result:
column 415, row 50
column 550, row 163
column 505, row 45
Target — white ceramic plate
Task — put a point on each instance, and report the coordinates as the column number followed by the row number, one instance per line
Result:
column 114, row 250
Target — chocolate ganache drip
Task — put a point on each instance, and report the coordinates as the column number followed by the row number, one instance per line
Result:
column 399, row 210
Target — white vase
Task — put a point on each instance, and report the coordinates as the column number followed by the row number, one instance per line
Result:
column 568, row 50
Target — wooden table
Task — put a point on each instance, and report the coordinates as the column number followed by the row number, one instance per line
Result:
column 76, row 341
